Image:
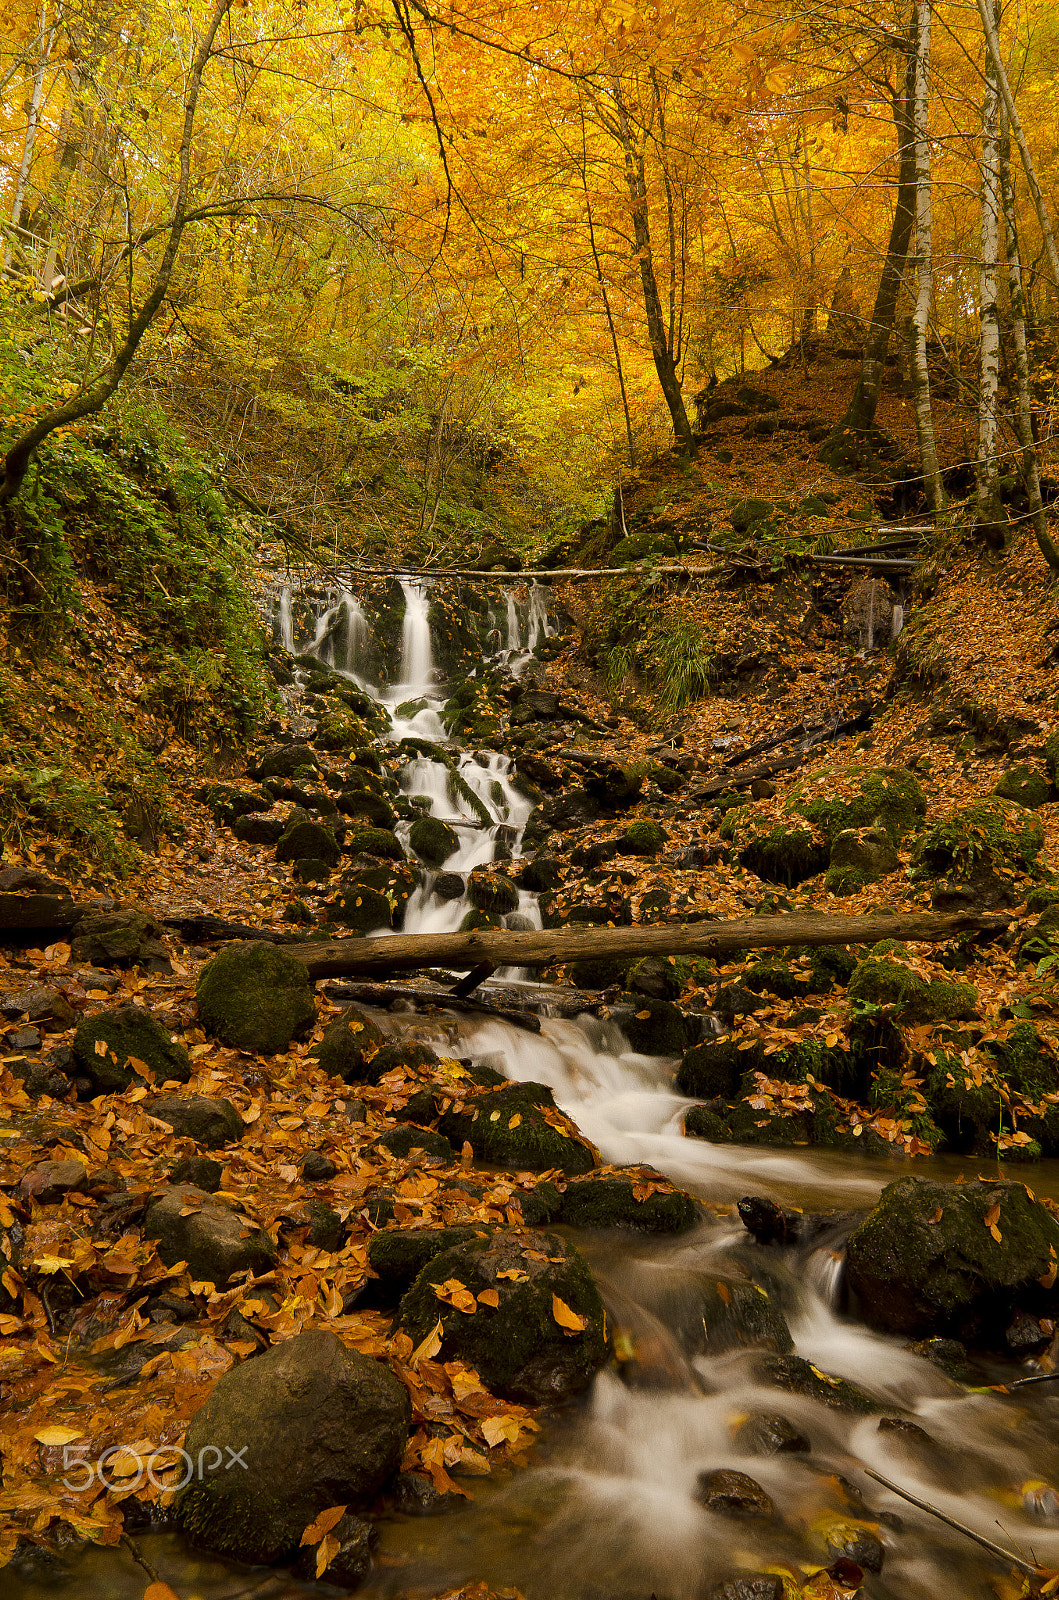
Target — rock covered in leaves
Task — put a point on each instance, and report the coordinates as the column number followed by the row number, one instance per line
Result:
column 208, row 1119
column 317, row 1425
column 521, row 1308
column 954, row 1258
column 517, row 1125
column 256, row 996
column 349, row 1045
column 107, row 1045
column 204, row 1230
column 642, row 1200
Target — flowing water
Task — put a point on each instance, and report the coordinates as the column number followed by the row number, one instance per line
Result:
column 607, row 1509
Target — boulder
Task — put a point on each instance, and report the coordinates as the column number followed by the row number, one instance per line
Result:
column 256, row 827
column 43, row 1005
column 408, row 1137
column 518, row 1126
column 450, row 886
column 336, row 1420
column 373, row 894
column 208, row 1119
column 492, row 892
column 377, row 842
column 655, row 1027
column 125, row 938
column 210, row 1236
column 305, row 840
column 710, row 1070
column 199, row 1171
column 733, row 1494
column 255, row 996
column 351, row 1562
column 432, row 841
column 769, row 1433
column 656, row 977
column 643, row 1201
column 992, row 836
column 398, row 1255
column 643, row 838
column 859, row 857
column 318, row 1167
column 798, row 1376
column 349, row 1045
column 106, row 1045
column 884, row 979
column 954, row 1258
column 49, row 1182
column 520, row 1308
column 1024, row 786
column 284, row 760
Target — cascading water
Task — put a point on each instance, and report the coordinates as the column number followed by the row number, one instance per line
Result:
column 610, row 1509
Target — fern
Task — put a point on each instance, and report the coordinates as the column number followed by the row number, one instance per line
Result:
column 684, row 670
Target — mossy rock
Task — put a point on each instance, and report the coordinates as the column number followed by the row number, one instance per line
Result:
column 398, row 1255
column 604, row 972
column 255, row 997
column 518, row 1347
column 433, row 841
column 612, row 1202
column 926, row 1261
column 713, row 1069
column 1024, row 786
column 656, row 1027
column 711, row 1315
column 378, row 842
column 349, row 1046
column 479, row 922
column 781, row 1124
column 704, row 1122
column 286, row 761
column 770, row 976
column 830, row 964
column 507, row 1127
column 127, row 1033
column 228, row 801
column 644, row 838
column 869, row 852
column 780, row 854
column 844, row 881
column 746, row 515
column 888, row 797
column 1029, row 1071
column 492, row 891
column 643, row 545
column 882, row 981
column 339, row 729
column 402, row 1140
column 795, row 1375
column 1041, row 938
column 251, row 827
column 968, row 1113
column 995, row 834
column 373, row 896
column 304, row 840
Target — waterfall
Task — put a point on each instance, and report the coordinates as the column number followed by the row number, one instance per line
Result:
column 871, row 616
column 358, row 635
column 283, row 621
column 417, row 650
column 513, row 641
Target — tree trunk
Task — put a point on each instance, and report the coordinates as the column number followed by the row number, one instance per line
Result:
column 1024, row 419
column 990, row 514
column 334, row 958
column 928, row 453
column 846, row 445
column 661, row 349
column 47, row 37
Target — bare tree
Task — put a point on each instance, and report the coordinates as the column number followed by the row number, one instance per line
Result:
column 924, row 262
column 991, row 518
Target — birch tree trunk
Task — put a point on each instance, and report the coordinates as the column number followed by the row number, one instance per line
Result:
column 924, row 263
column 47, row 39
column 991, row 518
column 1023, row 419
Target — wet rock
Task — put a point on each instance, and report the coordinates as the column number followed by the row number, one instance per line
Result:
column 734, row 1000
column 416, row 1496
column 883, row 979
column 337, row 1420
column 121, row 939
column 540, row 1205
column 948, row 1355
column 408, row 1137
column 656, row 977
column 855, row 1544
column 349, row 1046
column 318, row 1168
column 327, row 1231
column 492, row 892
column 379, row 843
column 398, row 1255
column 304, row 840
column 199, row 1171
column 801, row 1377
column 23, row 1039
column 733, row 1494
column 212, row 1238
column 256, row 827
column 449, row 886
column 541, row 874
column 373, row 895
column 432, row 841
column 351, row 1562
column 767, row 1222
column 50, row 1076
column 43, row 1005
column 655, row 1027
column 208, row 1119
column 611, row 784
column 105, row 1046
column 644, row 1201
column 954, row 1258
column 518, row 1126
column 734, row 1314
column 285, row 761
column 255, row 996
column 643, row 838
column 761, row 1586
column 708, row 1122
column 710, row 1070
column 49, row 1182
column 543, row 1340
column 769, row 1433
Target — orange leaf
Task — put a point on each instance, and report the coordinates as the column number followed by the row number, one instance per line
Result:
column 568, row 1320
column 323, row 1524
column 329, row 1548
column 938, row 1214
column 159, row 1591
column 489, row 1297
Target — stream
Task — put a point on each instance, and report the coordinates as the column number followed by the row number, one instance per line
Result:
column 606, row 1509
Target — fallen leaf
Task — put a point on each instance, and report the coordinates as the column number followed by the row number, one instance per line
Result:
column 489, row 1297
column 938, row 1214
column 568, row 1320
column 323, row 1524
column 56, row 1435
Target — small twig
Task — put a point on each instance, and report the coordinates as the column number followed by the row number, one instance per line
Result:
column 1039, row 1377
column 942, row 1516
column 140, row 1560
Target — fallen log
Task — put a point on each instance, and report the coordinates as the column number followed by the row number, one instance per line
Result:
column 40, row 913
column 336, row 958
column 377, row 994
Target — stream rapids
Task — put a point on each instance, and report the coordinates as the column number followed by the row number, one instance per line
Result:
column 606, row 1510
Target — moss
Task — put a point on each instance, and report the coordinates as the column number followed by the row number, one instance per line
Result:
column 128, row 1033
column 605, row 972
column 886, row 982
column 398, row 1255
column 519, row 1127
column 379, row 842
column 348, row 1046
column 1040, row 898
column 798, row 1376
column 844, row 881
column 890, row 797
column 1024, row 786
column 339, row 729
column 479, row 922
column 255, row 997
column 965, row 1105
column 713, row 1068
column 774, row 851
column 518, row 1347
column 1040, row 939
column 410, row 1137
column 770, row 976
column 643, row 838
column 656, row 1027
column 830, row 964
column 643, row 545
column 994, row 833
column 612, row 1202
column 702, row 1123
column 304, row 840
column 228, row 801
column 492, row 891
column 432, row 841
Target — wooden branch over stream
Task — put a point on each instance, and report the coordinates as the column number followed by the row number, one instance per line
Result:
column 880, row 564
column 335, row 958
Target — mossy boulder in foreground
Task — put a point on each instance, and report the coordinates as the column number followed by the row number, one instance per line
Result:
column 641, row 1200
column 349, row 1046
column 884, row 980
column 106, row 1045
column 544, row 1338
column 316, row 1425
column 255, row 997
column 432, row 841
column 398, row 1255
column 954, row 1258
column 518, row 1126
